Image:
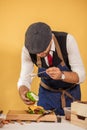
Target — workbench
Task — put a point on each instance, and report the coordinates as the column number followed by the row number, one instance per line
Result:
column 63, row 125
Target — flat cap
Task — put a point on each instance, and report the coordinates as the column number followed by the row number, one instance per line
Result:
column 38, row 37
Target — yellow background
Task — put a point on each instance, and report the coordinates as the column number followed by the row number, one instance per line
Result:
column 15, row 16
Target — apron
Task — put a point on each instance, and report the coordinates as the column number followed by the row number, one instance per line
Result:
column 56, row 94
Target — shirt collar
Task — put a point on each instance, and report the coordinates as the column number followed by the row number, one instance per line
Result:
column 51, row 51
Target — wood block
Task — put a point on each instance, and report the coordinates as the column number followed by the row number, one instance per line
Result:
column 79, row 120
column 79, row 114
column 23, row 115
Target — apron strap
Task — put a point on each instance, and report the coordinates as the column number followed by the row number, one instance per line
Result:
column 59, row 53
column 62, row 91
column 63, row 100
column 39, row 64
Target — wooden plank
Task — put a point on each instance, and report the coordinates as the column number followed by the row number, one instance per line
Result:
column 79, row 114
column 24, row 115
column 80, row 122
column 79, row 108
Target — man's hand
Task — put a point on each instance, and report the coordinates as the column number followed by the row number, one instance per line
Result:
column 54, row 72
column 22, row 91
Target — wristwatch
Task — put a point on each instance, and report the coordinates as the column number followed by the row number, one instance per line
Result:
column 62, row 76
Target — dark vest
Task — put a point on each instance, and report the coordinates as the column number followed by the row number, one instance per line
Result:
column 61, row 37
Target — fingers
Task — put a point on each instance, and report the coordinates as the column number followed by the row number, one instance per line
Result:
column 28, row 102
column 54, row 73
column 25, row 99
column 51, row 69
column 22, row 92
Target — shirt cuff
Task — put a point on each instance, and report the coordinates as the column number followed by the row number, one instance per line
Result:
column 19, row 84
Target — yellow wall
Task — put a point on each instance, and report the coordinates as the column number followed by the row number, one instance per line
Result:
column 15, row 17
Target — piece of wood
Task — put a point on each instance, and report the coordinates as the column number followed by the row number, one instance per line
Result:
column 23, row 115
column 79, row 120
column 79, row 108
column 79, row 114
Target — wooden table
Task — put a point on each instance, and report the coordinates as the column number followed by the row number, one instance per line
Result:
column 64, row 125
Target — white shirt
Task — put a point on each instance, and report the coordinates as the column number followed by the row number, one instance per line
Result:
column 74, row 57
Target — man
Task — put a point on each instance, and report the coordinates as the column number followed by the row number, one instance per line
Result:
column 62, row 75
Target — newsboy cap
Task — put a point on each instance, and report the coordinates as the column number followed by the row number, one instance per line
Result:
column 38, row 37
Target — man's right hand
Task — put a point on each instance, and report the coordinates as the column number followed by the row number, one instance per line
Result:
column 22, row 92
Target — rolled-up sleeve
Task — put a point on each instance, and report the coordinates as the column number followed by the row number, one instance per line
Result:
column 27, row 67
column 74, row 57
